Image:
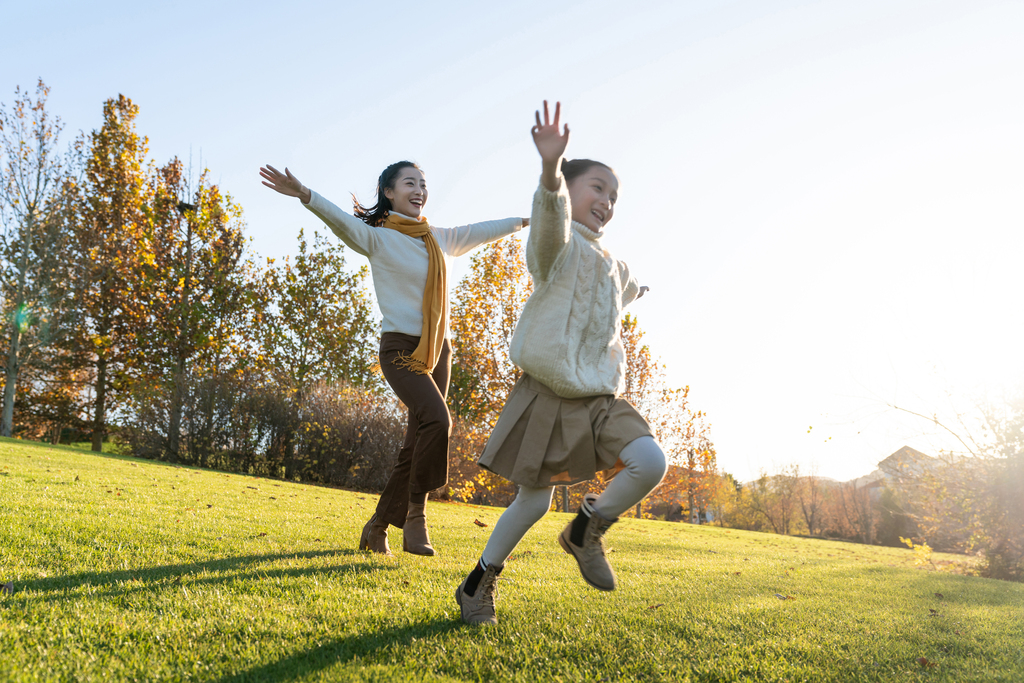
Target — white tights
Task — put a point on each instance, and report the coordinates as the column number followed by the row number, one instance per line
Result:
column 645, row 466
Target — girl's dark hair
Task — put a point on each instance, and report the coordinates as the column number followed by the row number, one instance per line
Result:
column 573, row 168
column 376, row 214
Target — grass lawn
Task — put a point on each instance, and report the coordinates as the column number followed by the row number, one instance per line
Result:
column 128, row 569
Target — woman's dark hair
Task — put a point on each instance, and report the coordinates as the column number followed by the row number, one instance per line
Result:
column 376, row 214
column 573, row 168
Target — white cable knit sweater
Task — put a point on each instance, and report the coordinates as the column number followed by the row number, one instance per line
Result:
column 568, row 335
column 398, row 262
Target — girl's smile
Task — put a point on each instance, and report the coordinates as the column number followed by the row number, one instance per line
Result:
column 593, row 195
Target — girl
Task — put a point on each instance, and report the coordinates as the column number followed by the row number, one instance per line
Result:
column 562, row 422
column 409, row 261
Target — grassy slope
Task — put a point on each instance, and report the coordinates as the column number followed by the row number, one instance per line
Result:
column 135, row 570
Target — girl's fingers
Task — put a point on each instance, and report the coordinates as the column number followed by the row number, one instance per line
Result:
column 546, row 120
column 273, row 170
column 537, row 113
column 558, row 113
column 566, row 132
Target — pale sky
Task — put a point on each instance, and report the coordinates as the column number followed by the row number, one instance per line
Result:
column 824, row 197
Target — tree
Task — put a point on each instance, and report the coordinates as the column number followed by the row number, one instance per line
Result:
column 809, row 494
column 39, row 277
column 319, row 328
column 683, row 433
column 970, row 500
column 192, row 289
column 111, row 238
column 772, row 497
column 858, row 509
column 486, row 308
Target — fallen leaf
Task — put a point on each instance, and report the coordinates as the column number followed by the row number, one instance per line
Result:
column 940, row 596
column 925, row 664
column 262, row 533
column 209, row 505
column 737, row 573
column 479, row 523
column 660, row 604
column 784, row 597
column 933, row 612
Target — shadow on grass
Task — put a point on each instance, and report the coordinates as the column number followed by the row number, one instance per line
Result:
column 364, row 645
column 124, row 581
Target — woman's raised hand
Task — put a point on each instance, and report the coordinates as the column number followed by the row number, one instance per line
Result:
column 285, row 183
column 550, row 142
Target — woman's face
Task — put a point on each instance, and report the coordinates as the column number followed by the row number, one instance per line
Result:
column 593, row 195
column 409, row 195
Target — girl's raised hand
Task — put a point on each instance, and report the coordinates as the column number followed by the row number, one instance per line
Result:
column 550, row 143
column 285, row 183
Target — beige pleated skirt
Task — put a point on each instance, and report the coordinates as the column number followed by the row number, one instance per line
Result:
column 542, row 439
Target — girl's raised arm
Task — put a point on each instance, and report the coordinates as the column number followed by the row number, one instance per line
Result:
column 551, row 145
column 550, row 231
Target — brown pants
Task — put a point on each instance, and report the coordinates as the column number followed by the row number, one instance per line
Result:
column 422, row 464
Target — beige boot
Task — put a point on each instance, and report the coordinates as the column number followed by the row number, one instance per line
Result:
column 415, row 539
column 590, row 555
column 479, row 607
column 375, row 537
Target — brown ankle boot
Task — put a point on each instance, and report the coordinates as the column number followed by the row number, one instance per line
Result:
column 589, row 554
column 415, row 539
column 375, row 537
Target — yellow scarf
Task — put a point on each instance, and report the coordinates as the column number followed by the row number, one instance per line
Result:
column 435, row 296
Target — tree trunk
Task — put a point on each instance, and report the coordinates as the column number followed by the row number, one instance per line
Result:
column 177, row 401
column 13, row 361
column 98, row 422
column 11, row 381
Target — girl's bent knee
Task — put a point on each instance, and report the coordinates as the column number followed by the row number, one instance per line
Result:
column 645, row 459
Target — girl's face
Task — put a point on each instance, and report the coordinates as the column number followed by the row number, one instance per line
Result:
column 593, row 195
column 409, row 195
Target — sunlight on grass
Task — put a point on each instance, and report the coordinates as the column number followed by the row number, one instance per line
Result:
column 127, row 569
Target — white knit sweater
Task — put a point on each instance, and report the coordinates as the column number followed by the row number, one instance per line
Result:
column 568, row 336
column 398, row 263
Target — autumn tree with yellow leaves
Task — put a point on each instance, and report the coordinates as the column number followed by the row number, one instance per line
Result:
column 111, row 228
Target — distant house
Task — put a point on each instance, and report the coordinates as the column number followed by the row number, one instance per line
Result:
column 906, row 462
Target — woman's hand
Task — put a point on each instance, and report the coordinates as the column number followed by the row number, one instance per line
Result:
column 550, row 144
column 285, row 183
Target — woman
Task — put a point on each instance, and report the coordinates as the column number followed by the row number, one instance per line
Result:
column 409, row 262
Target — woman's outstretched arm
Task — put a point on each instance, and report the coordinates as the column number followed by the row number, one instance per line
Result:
column 356, row 234
column 285, row 183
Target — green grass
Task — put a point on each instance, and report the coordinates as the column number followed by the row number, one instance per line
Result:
column 134, row 570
